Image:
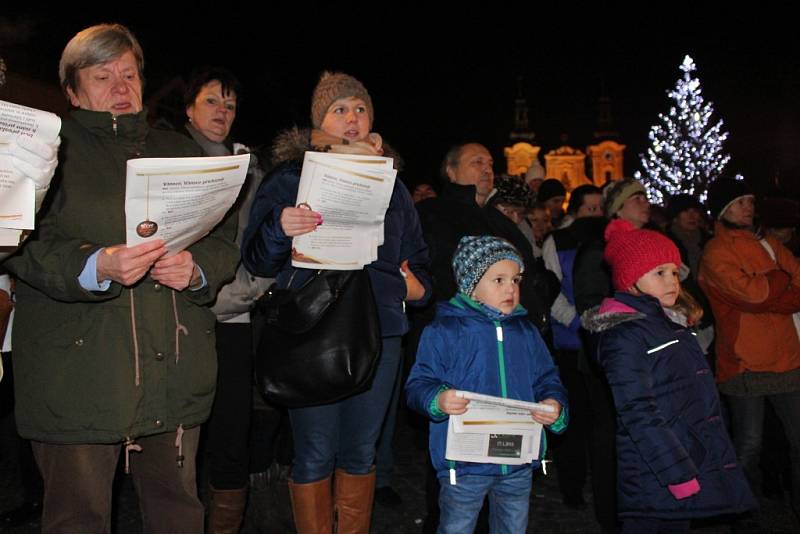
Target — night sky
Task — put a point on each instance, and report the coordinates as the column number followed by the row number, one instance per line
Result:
column 440, row 80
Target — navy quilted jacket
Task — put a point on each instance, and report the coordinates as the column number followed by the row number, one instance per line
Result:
column 669, row 426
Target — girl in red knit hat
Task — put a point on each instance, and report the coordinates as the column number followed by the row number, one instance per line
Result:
column 675, row 460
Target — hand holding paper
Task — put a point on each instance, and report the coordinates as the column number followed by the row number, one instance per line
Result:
column 177, row 272
column 127, row 265
column 299, row 221
column 547, row 418
column 451, row 404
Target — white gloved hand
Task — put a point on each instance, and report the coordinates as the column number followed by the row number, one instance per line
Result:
column 33, row 159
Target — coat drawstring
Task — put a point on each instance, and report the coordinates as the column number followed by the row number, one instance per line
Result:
column 130, row 445
column 137, row 380
column 179, row 445
column 179, row 328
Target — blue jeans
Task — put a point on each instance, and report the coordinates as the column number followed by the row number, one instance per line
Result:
column 343, row 434
column 509, row 501
column 747, row 425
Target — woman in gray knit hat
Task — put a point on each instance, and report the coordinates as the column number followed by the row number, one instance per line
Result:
column 341, row 436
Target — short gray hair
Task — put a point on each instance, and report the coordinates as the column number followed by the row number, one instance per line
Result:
column 451, row 160
column 93, row 46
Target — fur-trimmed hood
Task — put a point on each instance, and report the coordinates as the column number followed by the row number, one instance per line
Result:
column 292, row 144
column 607, row 315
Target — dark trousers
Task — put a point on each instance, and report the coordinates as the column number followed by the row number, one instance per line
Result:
column 384, row 455
column 228, row 428
column 570, row 448
column 602, row 430
column 646, row 525
column 747, row 421
column 13, row 448
column 78, row 481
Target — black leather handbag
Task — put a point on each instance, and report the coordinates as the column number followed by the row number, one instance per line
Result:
column 319, row 343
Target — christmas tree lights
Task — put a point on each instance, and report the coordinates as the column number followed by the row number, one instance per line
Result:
column 685, row 154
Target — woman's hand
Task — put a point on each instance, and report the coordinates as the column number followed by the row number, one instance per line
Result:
column 547, row 418
column 414, row 288
column 450, row 404
column 299, row 221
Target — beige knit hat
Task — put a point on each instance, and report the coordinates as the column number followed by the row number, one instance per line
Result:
column 331, row 87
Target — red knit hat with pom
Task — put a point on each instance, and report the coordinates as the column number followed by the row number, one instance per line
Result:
column 632, row 253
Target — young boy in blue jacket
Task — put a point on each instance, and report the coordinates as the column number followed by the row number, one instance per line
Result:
column 481, row 341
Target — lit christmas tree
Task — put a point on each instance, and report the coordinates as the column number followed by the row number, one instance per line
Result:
column 686, row 153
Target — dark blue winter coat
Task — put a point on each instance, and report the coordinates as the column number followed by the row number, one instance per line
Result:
column 473, row 348
column 669, row 428
column 266, row 249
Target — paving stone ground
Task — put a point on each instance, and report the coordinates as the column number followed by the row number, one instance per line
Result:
column 548, row 514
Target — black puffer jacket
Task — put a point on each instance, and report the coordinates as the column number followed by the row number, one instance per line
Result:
column 455, row 214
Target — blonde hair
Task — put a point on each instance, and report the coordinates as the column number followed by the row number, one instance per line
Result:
column 688, row 306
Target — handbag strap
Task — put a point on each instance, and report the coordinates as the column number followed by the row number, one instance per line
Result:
column 294, row 272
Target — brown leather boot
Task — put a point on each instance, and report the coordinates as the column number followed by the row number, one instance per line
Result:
column 226, row 510
column 352, row 501
column 311, row 506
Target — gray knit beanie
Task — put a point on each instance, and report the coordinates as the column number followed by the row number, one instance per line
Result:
column 615, row 195
column 474, row 256
column 331, row 87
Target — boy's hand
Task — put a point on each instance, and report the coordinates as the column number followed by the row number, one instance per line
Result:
column 547, row 418
column 452, row 405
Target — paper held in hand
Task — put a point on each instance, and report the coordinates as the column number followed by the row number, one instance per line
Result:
column 352, row 192
column 494, row 430
column 180, row 200
column 17, row 194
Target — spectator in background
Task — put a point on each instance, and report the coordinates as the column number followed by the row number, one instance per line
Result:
column 423, row 191
column 512, row 200
column 534, row 176
column 686, row 229
column 538, row 217
column 552, row 194
column 753, row 283
column 584, row 215
column 212, row 102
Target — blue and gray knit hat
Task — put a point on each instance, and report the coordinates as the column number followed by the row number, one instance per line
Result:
column 474, row 256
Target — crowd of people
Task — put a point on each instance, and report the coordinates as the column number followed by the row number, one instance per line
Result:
column 657, row 350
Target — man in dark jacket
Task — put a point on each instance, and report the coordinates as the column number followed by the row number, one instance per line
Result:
column 461, row 210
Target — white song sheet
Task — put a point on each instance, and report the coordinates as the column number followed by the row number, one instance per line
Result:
column 180, row 200
column 352, row 193
column 17, row 195
column 494, row 430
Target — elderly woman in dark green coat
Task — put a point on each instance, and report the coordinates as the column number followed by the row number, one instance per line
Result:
column 114, row 345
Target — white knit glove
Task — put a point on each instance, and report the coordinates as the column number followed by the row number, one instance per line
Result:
column 33, row 159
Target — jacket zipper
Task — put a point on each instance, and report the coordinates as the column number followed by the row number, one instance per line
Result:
column 501, row 364
column 114, row 124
